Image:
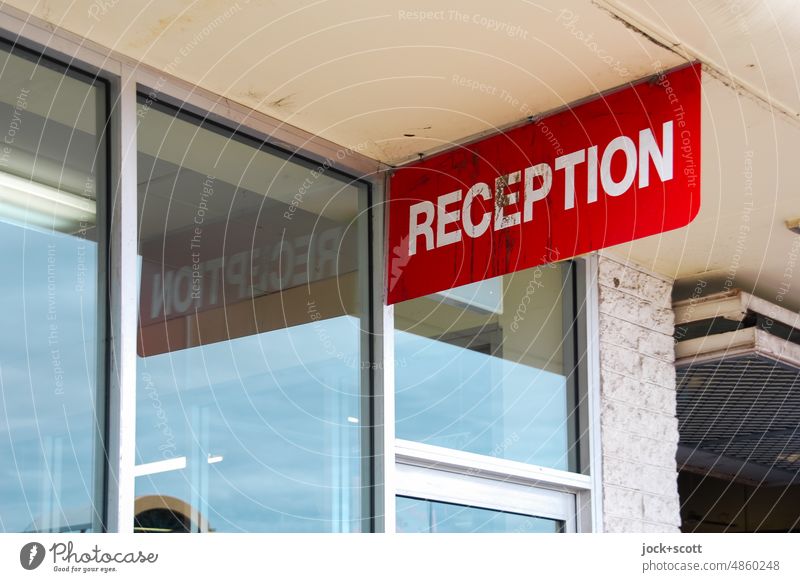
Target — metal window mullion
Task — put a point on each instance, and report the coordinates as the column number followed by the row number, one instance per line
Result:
column 592, row 331
column 383, row 397
column 569, row 323
column 385, row 429
column 123, row 286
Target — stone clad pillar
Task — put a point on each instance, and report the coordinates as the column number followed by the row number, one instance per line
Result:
column 638, row 423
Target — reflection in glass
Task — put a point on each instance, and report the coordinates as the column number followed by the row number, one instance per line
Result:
column 52, row 173
column 425, row 516
column 249, row 371
column 488, row 368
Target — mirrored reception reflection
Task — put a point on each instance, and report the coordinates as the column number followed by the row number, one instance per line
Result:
column 52, row 175
column 488, row 368
column 425, row 516
column 249, row 406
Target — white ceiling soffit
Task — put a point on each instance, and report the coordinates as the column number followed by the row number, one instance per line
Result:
column 387, row 79
column 752, row 44
column 750, row 141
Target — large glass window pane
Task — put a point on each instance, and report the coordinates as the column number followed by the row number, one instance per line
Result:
column 488, row 368
column 250, row 328
column 426, row 516
column 52, row 184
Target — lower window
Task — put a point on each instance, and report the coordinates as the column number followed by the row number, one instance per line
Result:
column 426, row 516
column 463, row 500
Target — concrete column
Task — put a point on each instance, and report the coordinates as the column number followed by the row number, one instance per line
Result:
column 639, row 429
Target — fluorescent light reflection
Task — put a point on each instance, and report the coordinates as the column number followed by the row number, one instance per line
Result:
column 31, row 204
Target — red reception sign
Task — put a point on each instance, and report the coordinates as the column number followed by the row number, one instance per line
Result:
column 620, row 167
